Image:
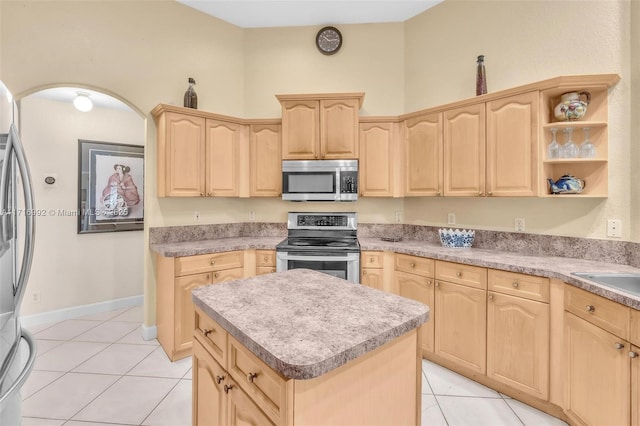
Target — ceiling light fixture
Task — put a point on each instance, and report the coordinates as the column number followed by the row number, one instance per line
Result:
column 82, row 102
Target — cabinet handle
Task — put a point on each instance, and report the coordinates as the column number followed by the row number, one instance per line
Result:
column 266, row 258
column 480, row 193
column 619, row 345
column 438, row 193
column 364, row 272
column 490, row 296
column 428, row 282
column 213, row 262
column 413, row 265
column 208, row 277
column 515, row 284
column 202, row 194
column 489, row 193
column 591, row 308
column 371, row 259
column 227, row 388
column 219, row 379
column 437, row 284
column 208, row 332
column 633, row 354
column 216, row 275
column 458, row 274
column 251, row 376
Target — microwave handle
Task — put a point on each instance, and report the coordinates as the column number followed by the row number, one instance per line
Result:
column 334, row 258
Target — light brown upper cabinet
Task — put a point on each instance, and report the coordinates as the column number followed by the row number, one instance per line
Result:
column 265, row 165
column 198, row 154
column 320, row 127
column 423, row 159
column 380, row 157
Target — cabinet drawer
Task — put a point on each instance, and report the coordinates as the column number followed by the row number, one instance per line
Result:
column 212, row 336
column 371, row 259
column 265, row 258
column 521, row 285
column 414, row 265
column 208, row 262
column 471, row 276
column 604, row 313
column 263, row 385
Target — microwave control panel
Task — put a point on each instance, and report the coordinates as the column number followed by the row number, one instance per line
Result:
column 349, row 182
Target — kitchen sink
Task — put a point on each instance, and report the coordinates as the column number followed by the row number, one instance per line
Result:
column 626, row 282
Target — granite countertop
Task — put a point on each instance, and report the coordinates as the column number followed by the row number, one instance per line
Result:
column 543, row 266
column 304, row 323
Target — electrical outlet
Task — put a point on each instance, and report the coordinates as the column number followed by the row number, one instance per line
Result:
column 196, row 217
column 451, row 219
column 35, row 297
column 252, row 215
column 398, row 216
column 614, row 228
column 519, row 224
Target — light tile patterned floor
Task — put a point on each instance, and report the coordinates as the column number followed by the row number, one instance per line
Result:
column 96, row 370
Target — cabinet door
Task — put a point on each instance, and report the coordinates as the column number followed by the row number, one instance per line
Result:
column 461, row 324
column 227, row 275
column 209, row 402
column 512, row 146
column 598, row 372
column 184, row 316
column 300, row 130
column 464, row 151
column 223, row 158
column 518, row 343
column 339, row 129
column 181, row 164
column 377, row 162
column 421, row 289
column 424, row 155
column 241, row 410
column 635, row 385
column 265, row 161
column 372, row 277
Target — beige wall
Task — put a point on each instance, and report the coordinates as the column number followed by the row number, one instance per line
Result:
column 523, row 42
column 143, row 52
column 635, row 123
column 71, row 269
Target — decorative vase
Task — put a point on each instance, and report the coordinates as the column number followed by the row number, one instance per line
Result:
column 571, row 106
column 190, row 96
column 481, row 76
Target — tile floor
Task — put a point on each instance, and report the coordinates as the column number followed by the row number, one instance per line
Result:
column 97, row 370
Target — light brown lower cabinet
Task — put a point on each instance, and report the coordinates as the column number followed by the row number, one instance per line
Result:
column 176, row 278
column 231, row 386
column 418, row 288
column 371, row 269
column 265, row 261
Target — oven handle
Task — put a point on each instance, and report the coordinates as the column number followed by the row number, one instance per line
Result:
column 351, row 258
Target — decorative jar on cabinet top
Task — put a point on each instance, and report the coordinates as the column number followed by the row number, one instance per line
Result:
column 571, row 106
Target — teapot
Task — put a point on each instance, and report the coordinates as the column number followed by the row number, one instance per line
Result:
column 567, row 184
column 571, row 106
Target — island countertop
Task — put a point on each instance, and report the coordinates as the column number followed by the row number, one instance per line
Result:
column 304, row 323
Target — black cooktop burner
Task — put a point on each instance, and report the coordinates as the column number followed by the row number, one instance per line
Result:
column 293, row 243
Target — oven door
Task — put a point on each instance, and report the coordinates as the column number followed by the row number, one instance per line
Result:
column 343, row 265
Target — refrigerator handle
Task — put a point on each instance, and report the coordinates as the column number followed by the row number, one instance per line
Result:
column 6, row 212
column 22, row 377
column 29, row 238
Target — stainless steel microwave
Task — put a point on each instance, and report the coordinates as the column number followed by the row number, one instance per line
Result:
column 320, row 180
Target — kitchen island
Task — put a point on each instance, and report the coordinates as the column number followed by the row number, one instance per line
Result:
column 303, row 347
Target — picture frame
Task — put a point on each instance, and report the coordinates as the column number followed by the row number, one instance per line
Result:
column 110, row 187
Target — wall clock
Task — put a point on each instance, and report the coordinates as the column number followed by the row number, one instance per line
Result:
column 329, row 40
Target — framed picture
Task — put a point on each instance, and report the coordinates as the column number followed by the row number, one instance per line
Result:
column 110, row 187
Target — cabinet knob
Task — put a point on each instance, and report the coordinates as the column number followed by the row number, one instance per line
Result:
column 266, row 258
column 202, row 194
column 490, row 296
column 219, row 379
column 413, row 265
column 371, row 260
column 437, row 284
column 489, row 193
column 515, row 284
column 208, row 332
column 428, row 281
column 227, row 388
column 458, row 274
column 251, row 376
column 480, row 193
column 438, row 193
column 213, row 262
column 633, row 354
column 364, row 272
column 216, row 275
column 618, row 345
column 591, row 308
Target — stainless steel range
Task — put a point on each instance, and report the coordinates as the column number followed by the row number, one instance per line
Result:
column 325, row 242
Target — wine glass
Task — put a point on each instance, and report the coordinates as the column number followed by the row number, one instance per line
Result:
column 587, row 148
column 553, row 150
column 570, row 149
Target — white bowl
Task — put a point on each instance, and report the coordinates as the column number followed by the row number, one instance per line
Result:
column 456, row 239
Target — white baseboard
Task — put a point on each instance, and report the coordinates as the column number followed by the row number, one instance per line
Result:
column 149, row 332
column 81, row 311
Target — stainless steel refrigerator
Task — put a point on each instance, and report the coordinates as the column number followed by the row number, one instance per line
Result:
column 17, row 222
